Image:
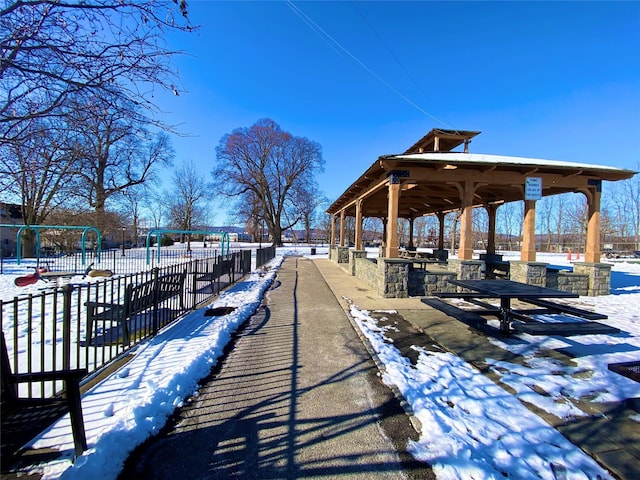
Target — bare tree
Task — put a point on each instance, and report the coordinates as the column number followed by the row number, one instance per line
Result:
column 269, row 162
column 115, row 150
column 187, row 210
column 53, row 50
column 631, row 189
column 306, row 199
column 35, row 172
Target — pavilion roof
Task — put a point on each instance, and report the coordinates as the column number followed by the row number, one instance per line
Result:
column 433, row 182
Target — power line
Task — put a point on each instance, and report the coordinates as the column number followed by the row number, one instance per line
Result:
column 338, row 47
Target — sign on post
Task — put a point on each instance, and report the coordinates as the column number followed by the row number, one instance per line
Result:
column 533, row 188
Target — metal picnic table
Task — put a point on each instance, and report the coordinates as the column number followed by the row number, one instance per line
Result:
column 507, row 290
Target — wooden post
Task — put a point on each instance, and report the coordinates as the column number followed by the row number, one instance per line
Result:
column 411, row 220
column 441, row 217
column 358, row 235
column 342, row 228
column 465, row 251
column 592, row 253
column 491, row 238
column 392, row 219
column 333, row 230
column 528, row 250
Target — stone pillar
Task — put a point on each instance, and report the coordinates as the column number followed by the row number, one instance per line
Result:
column 339, row 254
column 599, row 276
column 466, row 269
column 395, row 275
column 353, row 254
column 533, row 273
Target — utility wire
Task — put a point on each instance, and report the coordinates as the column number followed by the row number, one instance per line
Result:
column 338, row 47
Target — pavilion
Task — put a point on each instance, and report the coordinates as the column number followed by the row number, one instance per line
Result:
column 431, row 179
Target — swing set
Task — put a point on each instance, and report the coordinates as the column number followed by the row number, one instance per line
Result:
column 36, row 228
column 158, row 232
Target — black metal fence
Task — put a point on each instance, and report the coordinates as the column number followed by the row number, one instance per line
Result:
column 263, row 255
column 51, row 331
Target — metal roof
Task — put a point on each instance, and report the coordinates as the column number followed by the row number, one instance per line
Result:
column 433, row 182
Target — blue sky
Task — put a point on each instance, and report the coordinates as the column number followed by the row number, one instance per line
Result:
column 556, row 80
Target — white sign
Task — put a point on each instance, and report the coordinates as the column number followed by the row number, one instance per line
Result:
column 533, row 188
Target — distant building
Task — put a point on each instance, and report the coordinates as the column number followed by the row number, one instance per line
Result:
column 9, row 215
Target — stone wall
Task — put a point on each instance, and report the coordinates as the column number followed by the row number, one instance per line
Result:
column 426, row 282
column 367, row 270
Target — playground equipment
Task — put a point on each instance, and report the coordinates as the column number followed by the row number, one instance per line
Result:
column 93, row 272
column 37, row 228
column 158, row 232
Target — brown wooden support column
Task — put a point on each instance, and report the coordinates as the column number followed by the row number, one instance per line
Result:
column 441, row 217
column 592, row 253
column 465, row 251
column 391, row 249
column 492, row 209
column 333, row 230
column 528, row 251
column 342, row 228
column 358, row 235
column 411, row 220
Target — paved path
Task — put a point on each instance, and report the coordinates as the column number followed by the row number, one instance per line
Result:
column 297, row 397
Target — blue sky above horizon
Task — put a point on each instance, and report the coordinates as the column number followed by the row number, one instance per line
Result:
column 554, row 80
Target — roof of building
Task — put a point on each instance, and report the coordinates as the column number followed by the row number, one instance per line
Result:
column 433, row 182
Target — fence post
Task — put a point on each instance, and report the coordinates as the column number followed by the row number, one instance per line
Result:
column 156, row 286
column 194, row 286
column 66, row 326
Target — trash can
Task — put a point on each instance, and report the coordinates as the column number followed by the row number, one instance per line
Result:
column 313, row 250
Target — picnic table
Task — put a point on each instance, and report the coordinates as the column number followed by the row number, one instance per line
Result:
column 475, row 291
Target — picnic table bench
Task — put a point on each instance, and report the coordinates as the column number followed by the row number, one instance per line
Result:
column 24, row 417
column 520, row 319
column 137, row 299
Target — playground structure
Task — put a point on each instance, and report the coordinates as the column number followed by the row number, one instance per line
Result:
column 158, row 232
column 36, row 228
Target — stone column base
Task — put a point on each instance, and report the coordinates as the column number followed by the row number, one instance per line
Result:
column 353, row 254
column 532, row 273
column 395, row 277
column 339, row 254
column 599, row 277
column 466, row 269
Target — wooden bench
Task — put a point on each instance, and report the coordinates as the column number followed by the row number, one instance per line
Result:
column 137, row 299
column 25, row 417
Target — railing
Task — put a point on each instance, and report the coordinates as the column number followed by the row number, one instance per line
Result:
column 48, row 331
column 263, row 255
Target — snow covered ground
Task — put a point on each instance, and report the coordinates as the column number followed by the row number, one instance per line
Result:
column 471, row 428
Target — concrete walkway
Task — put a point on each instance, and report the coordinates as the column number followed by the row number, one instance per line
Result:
column 609, row 434
column 296, row 397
